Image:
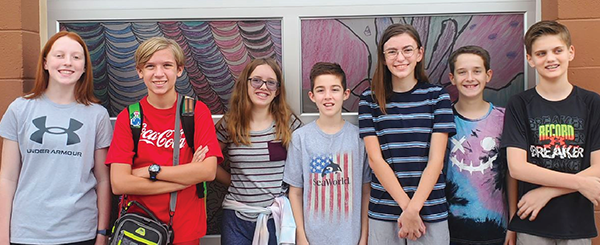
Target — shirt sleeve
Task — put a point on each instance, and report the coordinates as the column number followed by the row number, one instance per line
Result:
column 365, row 161
column 443, row 117
column 121, row 147
column 514, row 132
column 104, row 130
column 293, row 172
column 365, row 115
column 205, row 133
column 594, row 123
column 9, row 124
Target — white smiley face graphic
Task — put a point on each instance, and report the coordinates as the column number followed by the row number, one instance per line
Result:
column 487, row 144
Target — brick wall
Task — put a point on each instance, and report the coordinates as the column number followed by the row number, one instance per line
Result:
column 582, row 17
column 19, row 46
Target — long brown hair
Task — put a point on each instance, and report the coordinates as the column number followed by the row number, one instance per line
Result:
column 84, row 88
column 381, row 85
column 239, row 114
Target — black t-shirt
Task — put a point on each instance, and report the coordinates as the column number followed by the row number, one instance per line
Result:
column 557, row 135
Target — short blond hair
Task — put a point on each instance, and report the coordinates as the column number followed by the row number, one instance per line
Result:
column 146, row 49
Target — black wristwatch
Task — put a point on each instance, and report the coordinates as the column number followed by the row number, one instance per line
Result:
column 154, row 169
column 104, row 232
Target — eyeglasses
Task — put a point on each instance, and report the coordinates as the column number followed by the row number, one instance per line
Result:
column 407, row 52
column 256, row 83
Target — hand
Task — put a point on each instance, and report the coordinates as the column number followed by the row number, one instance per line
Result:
column 141, row 172
column 511, row 238
column 532, row 202
column 200, row 154
column 590, row 188
column 101, row 240
column 301, row 237
column 302, row 241
column 411, row 225
column 363, row 241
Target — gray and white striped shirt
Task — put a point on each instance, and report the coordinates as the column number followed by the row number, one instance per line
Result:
column 256, row 169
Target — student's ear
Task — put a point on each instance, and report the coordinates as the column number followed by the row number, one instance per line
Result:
column 531, row 64
column 45, row 64
column 420, row 52
column 489, row 73
column 451, row 76
column 571, row 53
column 139, row 72
column 311, row 96
column 179, row 70
column 346, row 94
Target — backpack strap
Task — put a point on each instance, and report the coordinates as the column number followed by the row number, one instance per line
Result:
column 188, row 106
column 135, row 124
column 136, row 121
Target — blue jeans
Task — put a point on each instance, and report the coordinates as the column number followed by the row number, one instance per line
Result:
column 236, row 231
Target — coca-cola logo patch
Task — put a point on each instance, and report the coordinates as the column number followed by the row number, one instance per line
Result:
column 161, row 139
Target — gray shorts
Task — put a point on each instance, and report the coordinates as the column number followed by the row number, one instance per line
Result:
column 385, row 232
column 526, row 239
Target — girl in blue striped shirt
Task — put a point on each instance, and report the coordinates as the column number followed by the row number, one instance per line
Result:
column 405, row 122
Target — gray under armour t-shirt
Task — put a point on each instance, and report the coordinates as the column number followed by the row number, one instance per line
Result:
column 331, row 169
column 55, row 201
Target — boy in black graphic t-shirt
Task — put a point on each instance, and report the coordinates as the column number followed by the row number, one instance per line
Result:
column 552, row 135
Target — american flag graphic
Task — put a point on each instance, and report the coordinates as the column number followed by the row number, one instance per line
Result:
column 330, row 194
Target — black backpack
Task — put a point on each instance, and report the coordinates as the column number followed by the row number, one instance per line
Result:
column 188, row 104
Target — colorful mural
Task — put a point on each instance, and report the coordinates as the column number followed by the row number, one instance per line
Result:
column 352, row 42
column 216, row 52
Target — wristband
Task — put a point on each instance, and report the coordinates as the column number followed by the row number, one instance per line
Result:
column 104, row 232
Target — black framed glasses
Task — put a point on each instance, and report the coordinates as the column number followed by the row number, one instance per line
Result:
column 256, row 83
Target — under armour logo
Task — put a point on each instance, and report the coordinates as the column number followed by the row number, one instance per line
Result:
column 40, row 123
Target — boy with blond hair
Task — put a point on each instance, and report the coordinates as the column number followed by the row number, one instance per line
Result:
column 553, row 146
column 144, row 170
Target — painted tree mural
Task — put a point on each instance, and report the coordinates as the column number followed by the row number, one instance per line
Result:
column 352, row 42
